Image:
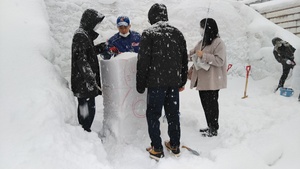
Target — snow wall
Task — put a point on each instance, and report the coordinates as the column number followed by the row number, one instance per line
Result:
column 246, row 33
column 124, row 107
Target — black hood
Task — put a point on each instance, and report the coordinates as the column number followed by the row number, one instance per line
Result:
column 158, row 12
column 274, row 40
column 90, row 18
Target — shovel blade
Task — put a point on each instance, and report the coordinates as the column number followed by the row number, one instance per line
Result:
column 192, row 151
column 244, row 97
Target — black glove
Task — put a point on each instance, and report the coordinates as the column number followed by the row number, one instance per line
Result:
column 140, row 89
column 101, row 47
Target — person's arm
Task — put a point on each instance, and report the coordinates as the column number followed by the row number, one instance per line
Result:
column 288, row 45
column 82, row 63
column 100, row 48
column 218, row 57
column 277, row 56
column 143, row 62
column 184, row 55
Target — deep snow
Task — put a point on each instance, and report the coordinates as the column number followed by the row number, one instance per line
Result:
column 38, row 124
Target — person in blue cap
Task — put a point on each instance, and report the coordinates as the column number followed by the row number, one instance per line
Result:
column 125, row 40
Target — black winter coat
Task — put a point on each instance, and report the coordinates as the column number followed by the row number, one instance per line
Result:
column 283, row 51
column 162, row 58
column 85, row 73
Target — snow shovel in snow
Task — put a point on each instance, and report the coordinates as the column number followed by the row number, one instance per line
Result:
column 191, row 150
column 246, row 85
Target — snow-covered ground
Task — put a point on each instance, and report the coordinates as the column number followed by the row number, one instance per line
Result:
column 38, row 124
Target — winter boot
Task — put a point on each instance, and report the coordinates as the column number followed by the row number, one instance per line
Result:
column 204, row 130
column 299, row 98
column 174, row 149
column 155, row 154
column 210, row 133
column 275, row 90
column 279, row 86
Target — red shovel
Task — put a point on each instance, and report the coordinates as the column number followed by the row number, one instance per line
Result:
column 229, row 66
column 248, row 68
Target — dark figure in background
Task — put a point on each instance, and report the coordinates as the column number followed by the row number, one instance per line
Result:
column 284, row 54
column 85, row 73
column 162, row 69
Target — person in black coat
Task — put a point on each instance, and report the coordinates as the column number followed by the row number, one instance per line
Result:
column 284, row 54
column 162, row 69
column 85, row 73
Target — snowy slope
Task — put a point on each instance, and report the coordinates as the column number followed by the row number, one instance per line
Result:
column 38, row 127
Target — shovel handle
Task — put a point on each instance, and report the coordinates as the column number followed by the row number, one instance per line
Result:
column 99, row 88
column 186, row 147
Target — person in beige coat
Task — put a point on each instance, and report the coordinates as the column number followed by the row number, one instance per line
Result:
column 208, row 73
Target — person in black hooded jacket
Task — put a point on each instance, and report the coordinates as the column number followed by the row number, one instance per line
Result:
column 284, row 54
column 85, row 73
column 162, row 69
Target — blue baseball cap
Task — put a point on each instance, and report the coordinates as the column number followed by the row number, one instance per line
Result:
column 123, row 21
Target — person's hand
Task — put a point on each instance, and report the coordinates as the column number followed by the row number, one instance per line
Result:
column 101, row 47
column 114, row 50
column 199, row 53
column 289, row 62
column 140, row 89
column 181, row 89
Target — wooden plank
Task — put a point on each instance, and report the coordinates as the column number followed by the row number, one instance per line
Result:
column 288, row 24
column 289, row 11
column 293, row 30
column 287, row 18
column 283, row 6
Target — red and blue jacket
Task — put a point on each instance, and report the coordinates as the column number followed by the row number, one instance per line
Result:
column 120, row 44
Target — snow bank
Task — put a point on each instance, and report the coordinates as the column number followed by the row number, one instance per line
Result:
column 246, row 33
column 35, row 100
column 38, row 124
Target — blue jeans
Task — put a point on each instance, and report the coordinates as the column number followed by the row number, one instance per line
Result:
column 167, row 97
column 86, row 112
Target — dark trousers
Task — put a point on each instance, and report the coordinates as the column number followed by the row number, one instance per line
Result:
column 86, row 112
column 167, row 97
column 209, row 101
column 285, row 72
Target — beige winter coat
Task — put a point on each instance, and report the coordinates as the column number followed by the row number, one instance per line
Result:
column 216, row 76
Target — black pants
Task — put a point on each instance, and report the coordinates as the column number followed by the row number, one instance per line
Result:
column 209, row 101
column 285, row 72
column 167, row 97
column 86, row 112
